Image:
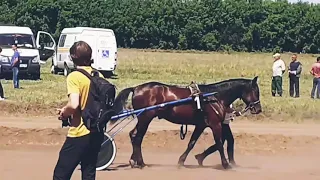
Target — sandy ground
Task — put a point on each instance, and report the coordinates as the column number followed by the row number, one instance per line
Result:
column 29, row 150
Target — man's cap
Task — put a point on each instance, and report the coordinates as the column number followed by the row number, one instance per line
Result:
column 276, row 55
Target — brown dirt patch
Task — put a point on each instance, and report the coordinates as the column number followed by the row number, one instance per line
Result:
column 164, row 140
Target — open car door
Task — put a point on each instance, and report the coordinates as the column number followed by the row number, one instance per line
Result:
column 46, row 45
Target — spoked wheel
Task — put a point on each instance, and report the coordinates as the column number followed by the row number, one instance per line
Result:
column 107, row 153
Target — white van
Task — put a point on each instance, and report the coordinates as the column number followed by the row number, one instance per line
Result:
column 102, row 42
column 29, row 51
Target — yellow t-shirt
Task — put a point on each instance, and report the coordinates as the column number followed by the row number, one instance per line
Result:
column 80, row 84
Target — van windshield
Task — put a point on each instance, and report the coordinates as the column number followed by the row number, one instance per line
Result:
column 22, row 40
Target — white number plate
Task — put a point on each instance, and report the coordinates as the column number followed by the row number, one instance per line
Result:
column 23, row 65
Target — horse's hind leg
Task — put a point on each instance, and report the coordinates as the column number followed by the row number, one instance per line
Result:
column 136, row 136
column 195, row 136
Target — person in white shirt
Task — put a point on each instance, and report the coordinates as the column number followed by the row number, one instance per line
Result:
column 278, row 69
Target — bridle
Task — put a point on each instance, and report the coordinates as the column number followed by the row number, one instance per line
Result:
column 250, row 106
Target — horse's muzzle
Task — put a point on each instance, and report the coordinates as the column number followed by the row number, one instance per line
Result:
column 256, row 109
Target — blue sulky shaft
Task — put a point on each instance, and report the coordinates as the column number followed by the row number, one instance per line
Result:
column 128, row 113
column 137, row 112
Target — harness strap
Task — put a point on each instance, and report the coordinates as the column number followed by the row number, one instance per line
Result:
column 182, row 132
column 194, row 89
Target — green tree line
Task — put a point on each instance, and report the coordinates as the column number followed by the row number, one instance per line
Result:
column 211, row 25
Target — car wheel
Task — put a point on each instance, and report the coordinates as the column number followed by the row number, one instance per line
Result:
column 36, row 76
column 66, row 70
column 54, row 70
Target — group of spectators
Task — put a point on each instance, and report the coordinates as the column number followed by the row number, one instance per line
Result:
column 15, row 62
column 294, row 69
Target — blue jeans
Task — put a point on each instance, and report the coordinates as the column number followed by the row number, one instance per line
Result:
column 15, row 71
column 316, row 84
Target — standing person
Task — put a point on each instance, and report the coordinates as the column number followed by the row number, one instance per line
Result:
column 81, row 145
column 278, row 69
column 1, row 88
column 295, row 69
column 15, row 63
column 315, row 71
column 226, row 136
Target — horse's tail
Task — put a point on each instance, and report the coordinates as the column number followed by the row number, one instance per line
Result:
column 120, row 101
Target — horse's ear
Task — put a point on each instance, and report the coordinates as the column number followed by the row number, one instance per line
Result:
column 255, row 80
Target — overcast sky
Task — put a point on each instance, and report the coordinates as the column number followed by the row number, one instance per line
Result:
column 311, row 1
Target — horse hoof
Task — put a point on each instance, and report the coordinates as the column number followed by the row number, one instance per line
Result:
column 233, row 164
column 199, row 159
column 132, row 163
column 181, row 163
column 179, row 166
column 226, row 166
column 141, row 166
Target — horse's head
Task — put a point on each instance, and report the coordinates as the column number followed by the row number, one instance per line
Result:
column 251, row 96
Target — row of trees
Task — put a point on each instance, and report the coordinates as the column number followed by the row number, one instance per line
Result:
column 239, row 25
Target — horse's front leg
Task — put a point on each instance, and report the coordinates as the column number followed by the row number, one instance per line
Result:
column 217, row 135
column 226, row 135
column 200, row 157
column 195, row 136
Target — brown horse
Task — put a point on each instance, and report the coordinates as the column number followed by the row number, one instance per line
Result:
column 152, row 93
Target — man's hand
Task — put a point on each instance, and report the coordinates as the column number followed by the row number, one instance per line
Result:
column 293, row 72
column 61, row 113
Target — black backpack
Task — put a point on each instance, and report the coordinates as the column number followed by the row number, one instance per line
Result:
column 98, row 109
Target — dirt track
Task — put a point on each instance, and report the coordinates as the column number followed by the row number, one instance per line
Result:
column 263, row 151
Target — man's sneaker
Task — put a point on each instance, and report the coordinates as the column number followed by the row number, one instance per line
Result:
column 2, row 99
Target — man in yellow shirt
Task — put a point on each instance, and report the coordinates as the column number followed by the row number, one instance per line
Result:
column 81, row 145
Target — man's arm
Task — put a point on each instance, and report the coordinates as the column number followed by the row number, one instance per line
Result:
column 74, row 97
column 71, row 106
column 16, row 59
column 299, row 69
column 312, row 70
column 283, row 67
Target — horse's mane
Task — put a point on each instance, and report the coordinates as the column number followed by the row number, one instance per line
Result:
column 218, row 86
column 154, row 83
column 224, row 85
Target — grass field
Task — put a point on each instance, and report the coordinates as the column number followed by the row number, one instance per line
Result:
column 138, row 66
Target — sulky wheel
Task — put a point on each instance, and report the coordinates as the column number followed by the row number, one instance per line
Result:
column 107, row 153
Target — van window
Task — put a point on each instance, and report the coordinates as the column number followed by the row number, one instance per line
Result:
column 62, row 40
column 69, row 40
column 22, row 40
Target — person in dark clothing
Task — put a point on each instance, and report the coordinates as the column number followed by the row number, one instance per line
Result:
column 1, row 88
column 295, row 69
column 226, row 136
